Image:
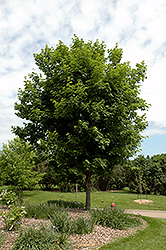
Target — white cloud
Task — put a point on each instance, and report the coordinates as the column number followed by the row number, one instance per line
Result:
column 156, row 128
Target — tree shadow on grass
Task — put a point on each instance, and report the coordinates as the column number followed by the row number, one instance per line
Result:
column 66, row 204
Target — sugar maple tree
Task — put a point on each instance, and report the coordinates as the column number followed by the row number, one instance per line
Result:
column 85, row 105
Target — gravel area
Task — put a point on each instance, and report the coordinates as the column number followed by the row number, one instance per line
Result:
column 99, row 237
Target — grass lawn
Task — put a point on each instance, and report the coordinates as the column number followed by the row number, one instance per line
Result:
column 152, row 237
column 98, row 199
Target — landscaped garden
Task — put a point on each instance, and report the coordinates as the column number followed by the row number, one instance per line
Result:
column 54, row 220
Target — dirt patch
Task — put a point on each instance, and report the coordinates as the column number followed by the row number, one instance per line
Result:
column 142, row 201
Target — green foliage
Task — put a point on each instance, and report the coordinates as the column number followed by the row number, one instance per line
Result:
column 115, row 218
column 11, row 218
column 40, row 238
column 8, row 197
column 64, row 224
column 66, row 204
column 82, row 225
column 145, row 173
column 60, row 221
column 39, row 211
column 152, row 172
column 17, row 163
column 43, row 210
column 126, row 189
column 83, row 111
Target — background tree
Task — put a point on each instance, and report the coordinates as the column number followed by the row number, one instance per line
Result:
column 85, row 105
column 157, row 177
column 17, row 163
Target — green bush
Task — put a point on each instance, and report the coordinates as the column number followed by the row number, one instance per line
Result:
column 60, row 221
column 8, row 197
column 40, row 211
column 13, row 217
column 40, row 238
column 126, row 189
column 43, row 210
column 82, row 226
column 60, row 218
column 115, row 218
column 66, row 204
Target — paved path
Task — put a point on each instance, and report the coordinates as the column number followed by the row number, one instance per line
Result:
column 148, row 213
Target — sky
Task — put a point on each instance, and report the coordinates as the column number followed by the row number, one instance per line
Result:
column 138, row 26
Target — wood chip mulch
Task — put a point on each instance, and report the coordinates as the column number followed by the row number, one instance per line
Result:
column 95, row 240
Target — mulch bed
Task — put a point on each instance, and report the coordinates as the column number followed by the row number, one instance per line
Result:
column 95, row 240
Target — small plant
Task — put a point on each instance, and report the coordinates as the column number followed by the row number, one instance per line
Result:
column 60, row 221
column 8, row 197
column 41, row 238
column 114, row 218
column 82, row 226
column 13, row 217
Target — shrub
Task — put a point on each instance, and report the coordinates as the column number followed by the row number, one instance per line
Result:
column 8, row 197
column 13, row 217
column 126, row 189
column 40, row 238
column 82, row 226
column 60, row 221
column 115, row 218
column 66, row 204
column 40, row 211
column 43, row 210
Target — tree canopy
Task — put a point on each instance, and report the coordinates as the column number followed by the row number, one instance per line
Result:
column 85, row 104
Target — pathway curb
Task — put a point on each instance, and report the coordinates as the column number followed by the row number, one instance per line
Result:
column 147, row 213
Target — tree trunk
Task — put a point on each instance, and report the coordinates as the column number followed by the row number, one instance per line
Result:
column 88, row 196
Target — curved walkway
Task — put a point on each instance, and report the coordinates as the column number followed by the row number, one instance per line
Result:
column 148, row 213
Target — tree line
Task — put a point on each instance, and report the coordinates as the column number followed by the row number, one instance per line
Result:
column 21, row 167
column 142, row 174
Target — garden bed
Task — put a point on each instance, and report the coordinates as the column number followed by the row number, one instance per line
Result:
column 100, row 236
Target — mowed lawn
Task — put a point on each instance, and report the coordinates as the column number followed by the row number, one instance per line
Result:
column 98, row 199
column 153, row 237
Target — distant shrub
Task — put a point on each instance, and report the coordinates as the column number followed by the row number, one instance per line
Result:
column 126, row 189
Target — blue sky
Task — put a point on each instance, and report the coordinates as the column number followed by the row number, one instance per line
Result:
column 138, row 26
